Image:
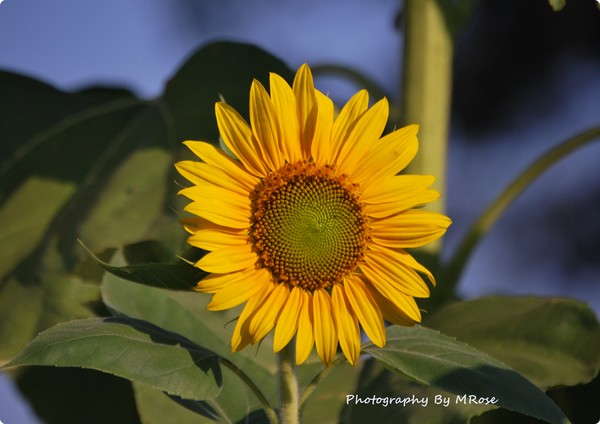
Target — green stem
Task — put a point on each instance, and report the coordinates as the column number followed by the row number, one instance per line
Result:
column 269, row 411
column 427, row 86
column 491, row 215
column 289, row 412
column 318, row 378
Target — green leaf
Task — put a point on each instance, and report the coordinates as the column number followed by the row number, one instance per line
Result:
column 131, row 201
column 29, row 106
column 457, row 14
column 232, row 405
column 551, row 341
column 436, row 406
column 221, row 68
column 28, row 222
column 28, row 307
column 430, row 358
column 128, row 348
column 175, row 276
column 153, row 305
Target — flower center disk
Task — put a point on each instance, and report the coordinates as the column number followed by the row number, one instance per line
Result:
column 309, row 228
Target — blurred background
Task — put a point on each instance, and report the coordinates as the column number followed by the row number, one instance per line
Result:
column 525, row 79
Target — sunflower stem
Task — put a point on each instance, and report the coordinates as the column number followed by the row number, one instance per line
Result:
column 426, row 90
column 497, row 208
column 289, row 412
column 308, row 391
column 269, row 411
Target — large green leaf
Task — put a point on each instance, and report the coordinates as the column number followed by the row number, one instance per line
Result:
column 551, row 341
column 431, row 358
column 28, row 107
column 234, row 404
column 175, row 276
column 219, row 69
column 436, row 406
column 28, row 222
column 153, row 305
column 128, row 348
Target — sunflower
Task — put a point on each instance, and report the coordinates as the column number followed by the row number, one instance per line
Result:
column 307, row 225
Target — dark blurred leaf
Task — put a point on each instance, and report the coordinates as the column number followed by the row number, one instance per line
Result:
column 29, row 221
column 26, row 308
column 175, row 276
column 131, row 202
column 549, row 340
column 457, row 13
column 76, row 396
column 28, row 107
column 220, row 68
column 131, row 349
column 435, row 407
column 430, row 358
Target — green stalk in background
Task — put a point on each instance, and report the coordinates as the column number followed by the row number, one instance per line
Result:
column 426, row 89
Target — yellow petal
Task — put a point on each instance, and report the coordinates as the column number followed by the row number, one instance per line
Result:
column 365, row 308
column 401, row 205
column 287, row 111
column 228, row 259
column 265, row 126
column 391, row 155
column 208, row 192
column 216, row 157
column 391, row 311
column 220, row 212
column 287, row 323
column 396, row 188
column 241, row 336
column 305, row 338
column 266, row 315
column 389, row 277
column 238, row 137
column 401, row 256
column 363, row 137
column 355, row 107
column 214, row 237
column 203, row 173
column 218, row 205
column 405, row 302
column 347, row 325
column 212, row 283
column 321, row 145
column 411, row 228
column 191, row 224
column 304, row 90
column 237, row 292
column 326, row 338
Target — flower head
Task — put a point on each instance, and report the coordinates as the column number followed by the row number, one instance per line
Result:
column 309, row 224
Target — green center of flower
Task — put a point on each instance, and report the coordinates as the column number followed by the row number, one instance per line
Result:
column 309, row 227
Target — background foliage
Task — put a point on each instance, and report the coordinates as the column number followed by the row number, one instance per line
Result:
column 96, row 165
